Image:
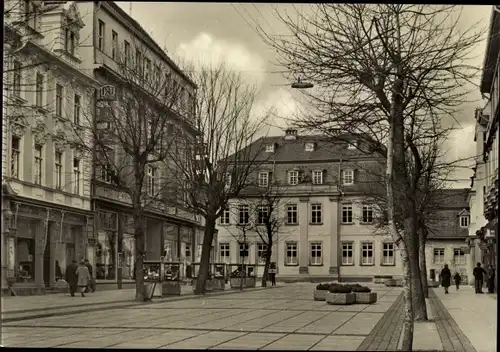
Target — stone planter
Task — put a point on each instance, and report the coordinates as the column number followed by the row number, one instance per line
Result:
column 171, row 288
column 380, row 279
column 208, row 285
column 248, row 282
column 218, row 284
column 366, row 297
column 320, row 295
column 340, row 298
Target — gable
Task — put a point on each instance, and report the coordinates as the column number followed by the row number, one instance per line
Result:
column 464, row 212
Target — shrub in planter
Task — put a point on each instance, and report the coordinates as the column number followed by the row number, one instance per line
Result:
column 320, row 291
column 339, row 294
column 364, row 295
column 325, row 286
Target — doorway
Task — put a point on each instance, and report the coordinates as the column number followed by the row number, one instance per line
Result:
column 46, row 256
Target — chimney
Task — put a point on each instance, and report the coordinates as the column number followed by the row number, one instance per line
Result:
column 291, row 133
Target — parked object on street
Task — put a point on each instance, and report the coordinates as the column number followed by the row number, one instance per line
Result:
column 457, row 279
column 445, row 278
column 491, row 279
column 478, row 273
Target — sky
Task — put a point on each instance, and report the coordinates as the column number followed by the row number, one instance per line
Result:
column 226, row 31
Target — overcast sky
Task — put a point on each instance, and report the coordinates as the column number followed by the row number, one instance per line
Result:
column 216, row 31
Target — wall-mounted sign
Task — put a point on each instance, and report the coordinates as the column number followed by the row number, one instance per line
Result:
column 107, row 92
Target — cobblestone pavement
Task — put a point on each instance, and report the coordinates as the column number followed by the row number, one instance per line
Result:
column 286, row 318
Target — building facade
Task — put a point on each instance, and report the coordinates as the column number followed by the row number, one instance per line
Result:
column 46, row 205
column 326, row 223
column 483, row 234
column 112, row 39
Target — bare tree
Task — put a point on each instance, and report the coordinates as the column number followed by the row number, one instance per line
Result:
column 222, row 156
column 375, row 65
column 133, row 136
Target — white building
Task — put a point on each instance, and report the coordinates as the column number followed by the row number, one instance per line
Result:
column 46, row 184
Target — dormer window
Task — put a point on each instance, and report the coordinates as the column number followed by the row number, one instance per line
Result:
column 309, row 147
column 352, row 145
column 263, row 179
column 70, row 43
column 270, row 148
column 464, row 221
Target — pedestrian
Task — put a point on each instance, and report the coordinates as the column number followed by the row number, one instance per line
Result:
column 59, row 275
column 445, row 278
column 272, row 274
column 491, row 279
column 71, row 277
column 91, row 286
column 458, row 279
column 478, row 273
column 83, row 277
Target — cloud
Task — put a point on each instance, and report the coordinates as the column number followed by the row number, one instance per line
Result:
column 207, row 49
column 461, row 146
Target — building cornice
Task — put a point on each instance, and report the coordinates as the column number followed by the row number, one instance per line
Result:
column 491, row 55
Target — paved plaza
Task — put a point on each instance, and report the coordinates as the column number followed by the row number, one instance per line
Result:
column 284, row 318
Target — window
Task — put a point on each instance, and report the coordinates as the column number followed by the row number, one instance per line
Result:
column 225, row 218
column 347, row 254
column 76, row 175
column 309, row 147
column 114, row 45
column 147, row 69
column 107, row 173
column 58, row 170
column 464, row 221
column 101, row 34
column 15, row 157
column 458, row 256
column 347, row 213
column 59, row 99
column 317, row 177
column 366, row 253
column 243, row 250
column 16, row 84
column 70, row 42
column 347, row 177
column 261, row 252
column 291, row 214
column 438, row 255
column 388, row 254
column 188, row 250
column 77, row 109
column 269, row 148
column 151, row 181
column 263, row 179
column 262, row 214
column 293, row 177
column 244, row 214
column 291, row 254
column 352, row 145
column 316, row 257
column 224, row 252
column 367, row 214
column 38, row 164
column 138, row 62
column 316, row 214
column 126, row 48
column 39, row 90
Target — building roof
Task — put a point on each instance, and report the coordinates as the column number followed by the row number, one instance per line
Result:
column 450, row 205
column 491, row 55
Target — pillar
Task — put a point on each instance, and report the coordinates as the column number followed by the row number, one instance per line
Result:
column 54, row 232
column 40, row 236
column 303, row 238
column 334, row 236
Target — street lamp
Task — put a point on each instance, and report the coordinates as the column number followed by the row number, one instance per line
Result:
column 302, row 85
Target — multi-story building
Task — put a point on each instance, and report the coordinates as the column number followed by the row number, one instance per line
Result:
column 483, row 236
column 46, row 206
column 328, row 226
column 111, row 40
column 447, row 232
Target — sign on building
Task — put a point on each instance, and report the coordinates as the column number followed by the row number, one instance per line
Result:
column 107, row 92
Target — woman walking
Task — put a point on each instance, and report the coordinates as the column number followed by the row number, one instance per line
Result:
column 445, row 278
column 457, row 279
column 83, row 277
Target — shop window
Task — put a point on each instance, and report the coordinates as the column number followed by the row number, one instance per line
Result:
column 106, row 255
column 26, row 259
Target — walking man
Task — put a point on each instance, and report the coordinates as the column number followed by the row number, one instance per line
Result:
column 71, row 277
column 491, row 279
column 478, row 273
column 91, row 286
column 445, row 278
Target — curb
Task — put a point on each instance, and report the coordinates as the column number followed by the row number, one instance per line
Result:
column 132, row 304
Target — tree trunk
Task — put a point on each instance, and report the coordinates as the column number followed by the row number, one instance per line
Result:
column 208, row 237
column 407, row 295
column 423, row 263
column 139, row 254
column 418, row 299
column 266, row 268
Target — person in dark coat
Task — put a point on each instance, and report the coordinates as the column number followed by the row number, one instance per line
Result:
column 457, row 279
column 445, row 278
column 478, row 273
column 91, row 286
column 491, row 279
column 59, row 275
column 72, row 277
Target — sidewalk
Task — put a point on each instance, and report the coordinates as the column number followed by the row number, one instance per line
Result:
column 475, row 315
column 28, row 307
